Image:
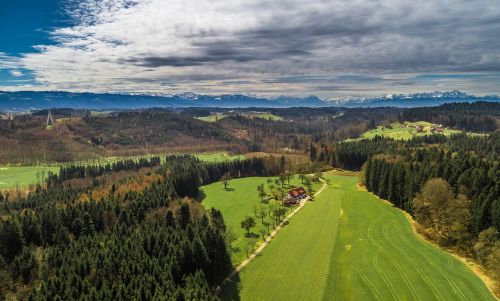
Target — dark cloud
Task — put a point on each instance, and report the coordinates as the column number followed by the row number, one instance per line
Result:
column 297, row 44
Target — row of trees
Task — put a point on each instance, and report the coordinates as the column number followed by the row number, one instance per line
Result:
column 93, row 171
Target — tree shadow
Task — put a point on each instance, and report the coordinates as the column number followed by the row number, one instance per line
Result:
column 231, row 289
column 201, row 196
column 229, row 189
column 252, row 235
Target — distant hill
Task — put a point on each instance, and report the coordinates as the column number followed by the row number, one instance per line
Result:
column 34, row 100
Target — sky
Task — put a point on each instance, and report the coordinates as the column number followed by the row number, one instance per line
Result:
column 328, row 48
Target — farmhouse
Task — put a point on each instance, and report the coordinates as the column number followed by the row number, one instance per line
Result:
column 294, row 196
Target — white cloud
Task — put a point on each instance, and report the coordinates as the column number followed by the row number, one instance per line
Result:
column 225, row 46
column 16, row 73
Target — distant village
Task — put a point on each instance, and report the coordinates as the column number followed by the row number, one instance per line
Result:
column 435, row 128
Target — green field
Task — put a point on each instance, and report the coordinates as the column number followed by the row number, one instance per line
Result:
column 263, row 115
column 212, row 117
column 404, row 131
column 218, row 157
column 12, row 176
column 22, row 176
column 349, row 245
column 236, row 204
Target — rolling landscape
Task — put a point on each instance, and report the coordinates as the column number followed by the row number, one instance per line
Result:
column 337, row 203
column 249, row 150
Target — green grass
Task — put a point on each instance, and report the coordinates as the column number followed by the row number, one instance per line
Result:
column 238, row 203
column 403, row 131
column 212, row 118
column 263, row 115
column 12, row 176
column 22, row 176
column 218, row 157
column 349, row 245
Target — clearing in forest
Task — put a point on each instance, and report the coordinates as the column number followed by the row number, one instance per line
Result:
column 242, row 200
column 407, row 130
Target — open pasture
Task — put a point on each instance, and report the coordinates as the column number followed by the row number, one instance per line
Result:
column 406, row 130
column 349, row 245
column 239, row 201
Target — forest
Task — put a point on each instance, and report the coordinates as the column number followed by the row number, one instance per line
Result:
column 157, row 243
column 80, row 135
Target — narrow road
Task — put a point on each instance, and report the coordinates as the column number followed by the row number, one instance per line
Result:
column 272, row 235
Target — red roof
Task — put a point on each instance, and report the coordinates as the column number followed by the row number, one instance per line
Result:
column 297, row 192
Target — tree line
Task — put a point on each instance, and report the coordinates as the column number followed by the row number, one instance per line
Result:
column 93, row 171
column 476, row 117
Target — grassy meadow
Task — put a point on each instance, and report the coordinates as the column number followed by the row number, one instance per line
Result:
column 218, row 157
column 349, row 245
column 403, row 131
column 13, row 176
column 219, row 116
column 237, row 203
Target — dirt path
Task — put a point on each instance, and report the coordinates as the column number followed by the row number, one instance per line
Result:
column 272, row 235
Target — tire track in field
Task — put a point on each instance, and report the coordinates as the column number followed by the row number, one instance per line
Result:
column 478, row 287
column 375, row 263
column 422, row 274
column 369, row 284
column 385, row 279
column 450, row 281
column 407, row 281
column 413, row 291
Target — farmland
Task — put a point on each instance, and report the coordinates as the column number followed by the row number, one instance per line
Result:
column 22, row 176
column 349, row 245
column 237, row 203
column 404, row 131
column 218, row 116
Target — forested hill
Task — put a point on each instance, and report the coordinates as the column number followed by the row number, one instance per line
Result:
column 451, row 185
column 127, row 231
column 475, row 117
column 82, row 134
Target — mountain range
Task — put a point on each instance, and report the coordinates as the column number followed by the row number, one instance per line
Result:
column 36, row 100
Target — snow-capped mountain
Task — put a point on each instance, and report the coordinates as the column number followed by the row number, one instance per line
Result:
column 33, row 100
column 414, row 100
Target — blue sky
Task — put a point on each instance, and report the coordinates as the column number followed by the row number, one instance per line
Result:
column 300, row 47
column 24, row 23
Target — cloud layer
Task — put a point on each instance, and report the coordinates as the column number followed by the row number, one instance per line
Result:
column 330, row 48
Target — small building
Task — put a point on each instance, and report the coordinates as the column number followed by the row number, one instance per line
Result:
column 294, row 196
